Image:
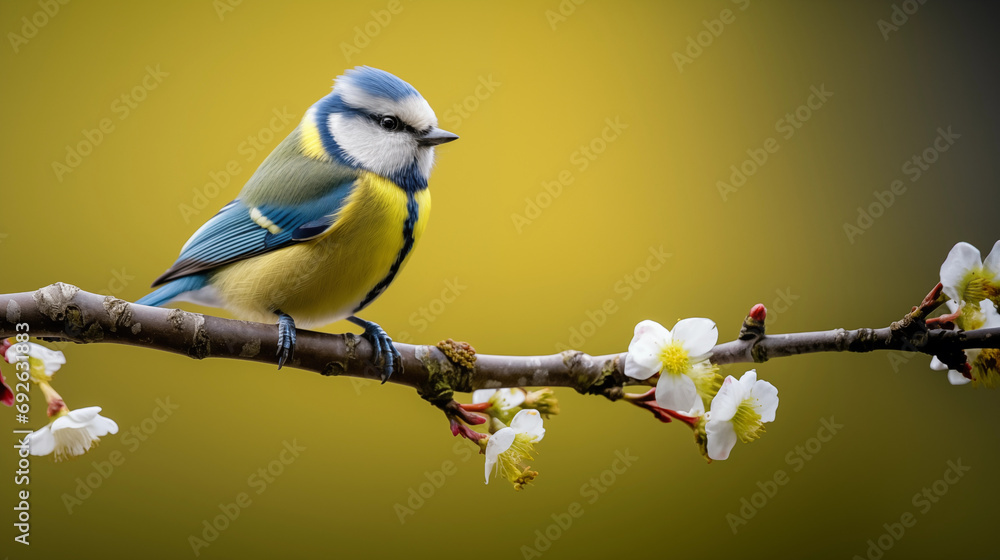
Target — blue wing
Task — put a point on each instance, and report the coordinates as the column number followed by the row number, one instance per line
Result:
column 239, row 231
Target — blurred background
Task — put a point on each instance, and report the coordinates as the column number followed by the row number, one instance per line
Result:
column 677, row 159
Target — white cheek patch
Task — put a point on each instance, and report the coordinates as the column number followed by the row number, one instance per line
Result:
column 370, row 147
column 425, row 161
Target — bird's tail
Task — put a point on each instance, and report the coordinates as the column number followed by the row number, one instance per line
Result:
column 165, row 293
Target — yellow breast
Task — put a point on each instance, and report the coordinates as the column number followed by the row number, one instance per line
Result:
column 326, row 279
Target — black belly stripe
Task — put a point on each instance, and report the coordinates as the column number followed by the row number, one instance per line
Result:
column 413, row 212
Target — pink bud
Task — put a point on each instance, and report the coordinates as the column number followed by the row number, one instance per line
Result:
column 6, row 395
column 758, row 312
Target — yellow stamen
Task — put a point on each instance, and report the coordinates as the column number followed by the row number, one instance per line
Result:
column 746, row 421
column 526, row 476
column 509, row 462
column 976, row 289
column 706, row 380
column 542, row 400
column 986, row 368
column 675, row 359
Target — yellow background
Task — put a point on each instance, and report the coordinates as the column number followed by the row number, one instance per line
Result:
column 118, row 215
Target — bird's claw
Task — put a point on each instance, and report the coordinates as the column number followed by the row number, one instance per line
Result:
column 286, row 338
column 386, row 357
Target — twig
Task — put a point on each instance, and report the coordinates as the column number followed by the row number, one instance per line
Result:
column 66, row 312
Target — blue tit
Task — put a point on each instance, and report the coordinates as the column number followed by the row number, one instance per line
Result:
column 326, row 222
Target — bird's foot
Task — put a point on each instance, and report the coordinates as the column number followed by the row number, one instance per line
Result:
column 386, row 356
column 286, row 338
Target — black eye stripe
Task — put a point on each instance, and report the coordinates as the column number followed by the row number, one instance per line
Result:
column 398, row 125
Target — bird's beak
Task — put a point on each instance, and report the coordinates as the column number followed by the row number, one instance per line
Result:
column 436, row 136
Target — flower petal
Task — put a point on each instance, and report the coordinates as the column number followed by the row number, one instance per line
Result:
column 747, row 380
column 937, row 365
column 76, row 418
column 991, row 318
column 497, row 444
column 53, row 359
column 952, row 305
column 640, row 369
column 510, row 398
column 727, row 400
column 766, row 396
column 42, row 442
column 528, row 421
column 721, row 439
column 101, row 426
column 698, row 409
column 676, row 392
column 992, row 262
column 643, row 359
column 956, row 378
column 698, row 335
column 961, row 259
column 84, row 414
column 482, row 395
column 651, row 329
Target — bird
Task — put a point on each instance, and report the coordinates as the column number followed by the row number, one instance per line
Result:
column 326, row 222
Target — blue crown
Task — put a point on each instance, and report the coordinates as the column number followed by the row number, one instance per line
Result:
column 379, row 83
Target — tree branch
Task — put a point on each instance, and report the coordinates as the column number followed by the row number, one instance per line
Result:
column 66, row 312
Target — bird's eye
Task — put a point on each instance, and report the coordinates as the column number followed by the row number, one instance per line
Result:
column 389, row 123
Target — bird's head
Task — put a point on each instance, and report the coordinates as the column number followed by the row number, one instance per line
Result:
column 377, row 122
